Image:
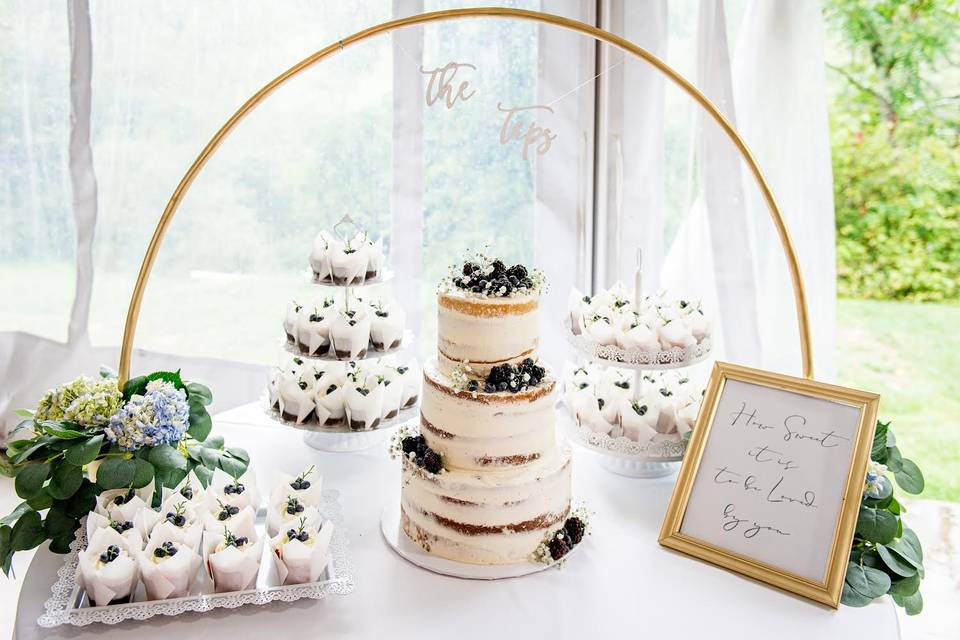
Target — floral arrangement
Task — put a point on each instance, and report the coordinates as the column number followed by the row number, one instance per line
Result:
column 886, row 556
column 89, row 436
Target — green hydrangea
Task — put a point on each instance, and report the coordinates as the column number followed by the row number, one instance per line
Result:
column 87, row 402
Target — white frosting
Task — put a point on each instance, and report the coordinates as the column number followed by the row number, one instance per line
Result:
column 487, row 429
column 497, row 500
column 486, row 334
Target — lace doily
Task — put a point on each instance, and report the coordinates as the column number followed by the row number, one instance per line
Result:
column 672, row 358
column 663, row 448
column 64, row 606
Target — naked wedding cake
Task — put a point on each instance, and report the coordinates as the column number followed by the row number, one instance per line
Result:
column 485, row 482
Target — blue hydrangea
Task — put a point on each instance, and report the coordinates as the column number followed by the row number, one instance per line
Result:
column 160, row 416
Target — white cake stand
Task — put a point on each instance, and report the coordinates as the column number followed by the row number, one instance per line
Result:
column 342, row 438
column 407, row 549
column 655, row 459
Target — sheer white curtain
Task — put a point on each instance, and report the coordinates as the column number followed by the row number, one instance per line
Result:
column 721, row 244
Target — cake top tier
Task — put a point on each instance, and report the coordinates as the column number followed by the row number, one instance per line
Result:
column 485, row 276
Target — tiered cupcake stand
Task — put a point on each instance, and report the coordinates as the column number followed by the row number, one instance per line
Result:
column 341, row 438
column 658, row 457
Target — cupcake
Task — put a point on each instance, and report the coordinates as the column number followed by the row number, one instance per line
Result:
column 615, row 385
column 392, row 383
column 290, row 321
column 295, row 397
column 410, row 376
column 107, row 569
column 638, row 419
column 375, row 259
column 123, row 505
column 313, row 328
column 228, row 515
column 301, row 552
column 639, row 335
column 348, row 262
column 288, row 511
column 320, row 257
column 578, row 305
column 232, row 558
column 386, row 325
column 126, row 528
column 179, row 521
column 363, row 398
column 189, row 489
column 306, row 487
column 240, row 492
column 328, row 403
column 675, row 333
column 350, row 333
column 589, row 412
column 168, row 567
column 599, row 327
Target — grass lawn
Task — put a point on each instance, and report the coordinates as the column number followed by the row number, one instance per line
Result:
column 910, row 354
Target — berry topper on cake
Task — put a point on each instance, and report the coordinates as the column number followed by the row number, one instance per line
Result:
column 487, row 276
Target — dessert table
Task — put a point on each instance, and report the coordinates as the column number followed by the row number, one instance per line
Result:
column 620, row 581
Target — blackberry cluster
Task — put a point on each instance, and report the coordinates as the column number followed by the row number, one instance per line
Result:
column 423, row 456
column 499, row 282
column 512, row 378
column 565, row 539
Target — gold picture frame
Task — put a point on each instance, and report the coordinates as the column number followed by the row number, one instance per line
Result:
column 829, row 589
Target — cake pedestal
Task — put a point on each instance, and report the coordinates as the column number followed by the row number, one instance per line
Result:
column 407, row 549
column 341, row 438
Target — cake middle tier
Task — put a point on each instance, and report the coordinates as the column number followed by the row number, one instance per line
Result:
column 479, row 431
column 485, row 332
column 497, row 517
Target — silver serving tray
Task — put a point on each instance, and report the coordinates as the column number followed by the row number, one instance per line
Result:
column 69, row 603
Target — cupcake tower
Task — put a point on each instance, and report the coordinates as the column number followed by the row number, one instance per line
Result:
column 213, row 527
column 340, row 373
column 633, row 402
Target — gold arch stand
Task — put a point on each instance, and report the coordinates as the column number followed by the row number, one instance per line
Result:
column 133, row 312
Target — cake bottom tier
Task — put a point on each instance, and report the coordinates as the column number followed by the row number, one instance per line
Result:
column 495, row 517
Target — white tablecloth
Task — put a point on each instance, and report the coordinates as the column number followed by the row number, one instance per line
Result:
column 619, row 584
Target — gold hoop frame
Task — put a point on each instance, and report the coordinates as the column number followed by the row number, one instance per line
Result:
column 800, row 298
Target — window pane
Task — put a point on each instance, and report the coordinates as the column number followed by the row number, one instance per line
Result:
column 36, row 222
column 166, row 77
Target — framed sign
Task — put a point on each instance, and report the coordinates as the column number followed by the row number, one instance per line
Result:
column 771, row 482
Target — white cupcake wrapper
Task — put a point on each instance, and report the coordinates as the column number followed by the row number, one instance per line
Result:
column 298, row 563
